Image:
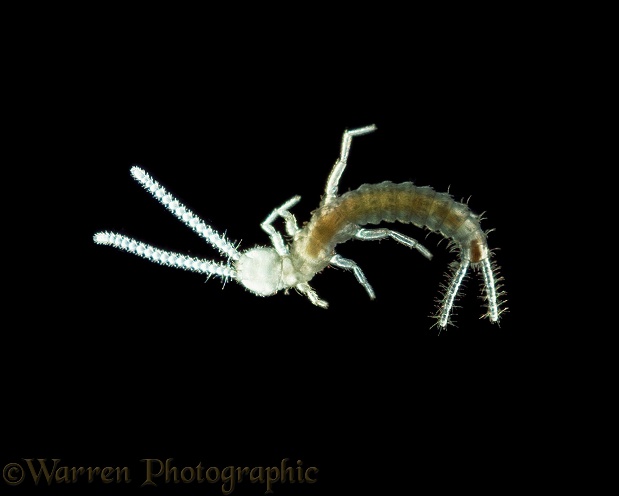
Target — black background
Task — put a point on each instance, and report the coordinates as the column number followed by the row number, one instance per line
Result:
column 112, row 359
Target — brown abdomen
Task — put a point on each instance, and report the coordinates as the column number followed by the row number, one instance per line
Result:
column 389, row 202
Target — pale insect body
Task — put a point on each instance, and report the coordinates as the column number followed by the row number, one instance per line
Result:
column 267, row 270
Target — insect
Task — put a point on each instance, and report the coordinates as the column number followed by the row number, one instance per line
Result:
column 265, row 270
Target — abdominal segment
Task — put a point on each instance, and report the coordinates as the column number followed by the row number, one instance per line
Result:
column 390, row 202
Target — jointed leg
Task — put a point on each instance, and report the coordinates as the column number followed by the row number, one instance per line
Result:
column 291, row 225
column 340, row 165
column 382, row 233
column 348, row 264
column 308, row 291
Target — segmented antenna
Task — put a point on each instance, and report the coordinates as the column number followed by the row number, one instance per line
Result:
column 184, row 214
column 162, row 257
column 169, row 258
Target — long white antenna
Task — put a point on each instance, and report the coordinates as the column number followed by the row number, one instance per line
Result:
column 162, row 257
column 184, row 214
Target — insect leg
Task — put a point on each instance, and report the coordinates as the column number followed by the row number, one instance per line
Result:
column 291, row 225
column 340, row 164
column 346, row 263
column 308, row 291
column 382, row 233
